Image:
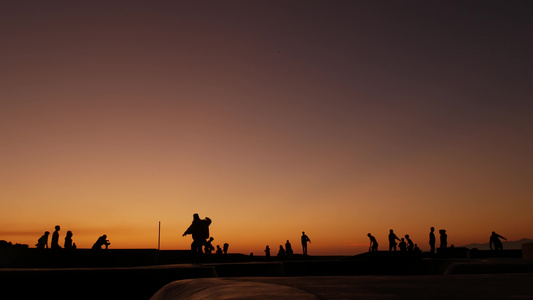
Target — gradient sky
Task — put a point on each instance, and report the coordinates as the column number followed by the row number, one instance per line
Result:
column 336, row 118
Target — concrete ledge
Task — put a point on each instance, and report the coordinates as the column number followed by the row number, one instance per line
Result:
column 490, row 267
column 94, row 283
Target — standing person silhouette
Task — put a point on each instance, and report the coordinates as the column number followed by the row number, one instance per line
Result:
column 443, row 239
column 225, row 249
column 55, row 239
column 305, row 239
column 373, row 243
column 267, row 251
column 432, row 240
column 42, row 242
column 392, row 240
column 495, row 240
column 199, row 230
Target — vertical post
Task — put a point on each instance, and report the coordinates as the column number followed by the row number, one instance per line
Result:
column 158, row 244
column 159, row 237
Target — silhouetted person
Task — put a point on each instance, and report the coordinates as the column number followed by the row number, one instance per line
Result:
column 226, row 246
column 410, row 244
column 42, row 242
column 305, row 239
column 219, row 250
column 199, row 230
column 288, row 248
column 208, row 246
column 495, row 240
column 402, row 245
column 443, row 239
column 373, row 243
column 392, row 240
column 55, row 239
column 101, row 241
column 68, row 240
column 416, row 249
column 432, row 240
column 281, row 252
column 267, row 251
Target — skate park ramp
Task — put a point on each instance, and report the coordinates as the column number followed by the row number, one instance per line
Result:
column 439, row 287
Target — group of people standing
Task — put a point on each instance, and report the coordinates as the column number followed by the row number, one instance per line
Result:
column 406, row 244
column 42, row 242
column 287, row 251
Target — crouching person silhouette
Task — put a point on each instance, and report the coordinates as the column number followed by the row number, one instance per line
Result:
column 101, row 242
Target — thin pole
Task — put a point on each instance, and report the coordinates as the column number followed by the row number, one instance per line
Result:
column 159, row 237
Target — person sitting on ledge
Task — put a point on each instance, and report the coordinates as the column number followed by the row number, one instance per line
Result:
column 68, row 241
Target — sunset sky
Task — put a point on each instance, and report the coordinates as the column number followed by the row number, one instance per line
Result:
column 337, row 118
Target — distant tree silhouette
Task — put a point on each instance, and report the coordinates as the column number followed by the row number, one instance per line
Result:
column 495, row 240
column 42, row 242
column 199, row 230
column 305, row 239
column 101, row 241
column 443, row 239
column 55, row 238
column 373, row 243
column 392, row 240
column 432, row 240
